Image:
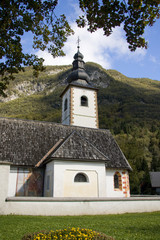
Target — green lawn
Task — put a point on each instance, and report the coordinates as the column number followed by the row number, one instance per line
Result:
column 139, row 226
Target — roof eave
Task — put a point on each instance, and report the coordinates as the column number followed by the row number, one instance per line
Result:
column 72, row 160
column 77, row 85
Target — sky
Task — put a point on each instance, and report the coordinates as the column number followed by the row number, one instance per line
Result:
column 110, row 52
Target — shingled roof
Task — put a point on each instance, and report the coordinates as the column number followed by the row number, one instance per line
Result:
column 155, row 179
column 75, row 147
column 25, row 142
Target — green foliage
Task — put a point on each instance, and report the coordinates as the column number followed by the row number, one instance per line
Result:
column 130, row 109
column 136, row 226
column 49, row 32
column 68, row 234
column 135, row 16
column 37, row 107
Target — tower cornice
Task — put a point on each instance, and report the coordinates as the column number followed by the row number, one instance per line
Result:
column 79, row 86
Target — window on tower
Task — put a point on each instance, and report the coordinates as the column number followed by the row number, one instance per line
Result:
column 65, row 104
column 84, row 101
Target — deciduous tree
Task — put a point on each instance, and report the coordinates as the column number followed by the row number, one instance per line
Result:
column 50, row 32
column 135, row 15
column 37, row 16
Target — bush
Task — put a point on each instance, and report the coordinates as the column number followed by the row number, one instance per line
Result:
column 68, row 234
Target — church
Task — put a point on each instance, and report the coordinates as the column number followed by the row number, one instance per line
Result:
column 73, row 159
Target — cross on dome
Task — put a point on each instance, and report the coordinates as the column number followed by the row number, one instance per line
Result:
column 78, row 73
column 78, row 41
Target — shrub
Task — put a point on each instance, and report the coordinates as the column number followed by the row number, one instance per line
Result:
column 68, row 234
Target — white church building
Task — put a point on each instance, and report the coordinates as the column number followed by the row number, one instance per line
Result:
column 73, row 159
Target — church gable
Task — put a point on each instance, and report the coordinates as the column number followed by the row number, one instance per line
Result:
column 77, row 147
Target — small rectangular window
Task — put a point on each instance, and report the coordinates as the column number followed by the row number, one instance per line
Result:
column 65, row 104
column 117, row 181
column 48, row 182
column 84, row 101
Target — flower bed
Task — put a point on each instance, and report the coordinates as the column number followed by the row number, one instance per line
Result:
column 68, row 234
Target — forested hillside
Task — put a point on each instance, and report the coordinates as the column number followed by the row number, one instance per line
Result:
column 129, row 107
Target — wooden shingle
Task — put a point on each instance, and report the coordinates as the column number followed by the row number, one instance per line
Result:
column 25, row 142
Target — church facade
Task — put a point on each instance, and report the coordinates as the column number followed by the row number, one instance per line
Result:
column 72, row 159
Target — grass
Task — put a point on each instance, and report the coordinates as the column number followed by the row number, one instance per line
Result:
column 136, row 226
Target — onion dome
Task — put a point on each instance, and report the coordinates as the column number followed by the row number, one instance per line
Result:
column 78, row 55
column 78, row 73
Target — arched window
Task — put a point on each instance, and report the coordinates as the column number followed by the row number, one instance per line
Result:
column 65, row 104
column 80, row 177
column 117, row 181
column 84, row 101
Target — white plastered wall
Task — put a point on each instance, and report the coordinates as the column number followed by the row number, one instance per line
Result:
column 63, row 180
column 111, row 192
column 85, row 116
column 79, row 189
column 12, row 182
column 75, row 206
column 4, row 183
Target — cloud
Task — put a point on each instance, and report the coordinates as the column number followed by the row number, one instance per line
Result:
column 91, row 46
column 96, row 48
column 153, row 59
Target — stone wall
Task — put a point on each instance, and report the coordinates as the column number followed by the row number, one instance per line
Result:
column 81, row 206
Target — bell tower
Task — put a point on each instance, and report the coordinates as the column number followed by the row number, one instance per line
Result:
column 79, row 99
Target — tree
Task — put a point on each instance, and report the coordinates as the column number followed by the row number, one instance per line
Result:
column 51, row 32
column 107, row 14
column 37, row 16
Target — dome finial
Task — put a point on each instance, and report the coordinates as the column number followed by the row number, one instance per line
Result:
column 78, row 73
column 78, row 41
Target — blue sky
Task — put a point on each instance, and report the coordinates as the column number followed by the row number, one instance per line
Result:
column 110, row 52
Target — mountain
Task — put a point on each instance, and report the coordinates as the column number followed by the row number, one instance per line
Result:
column 129, row 107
